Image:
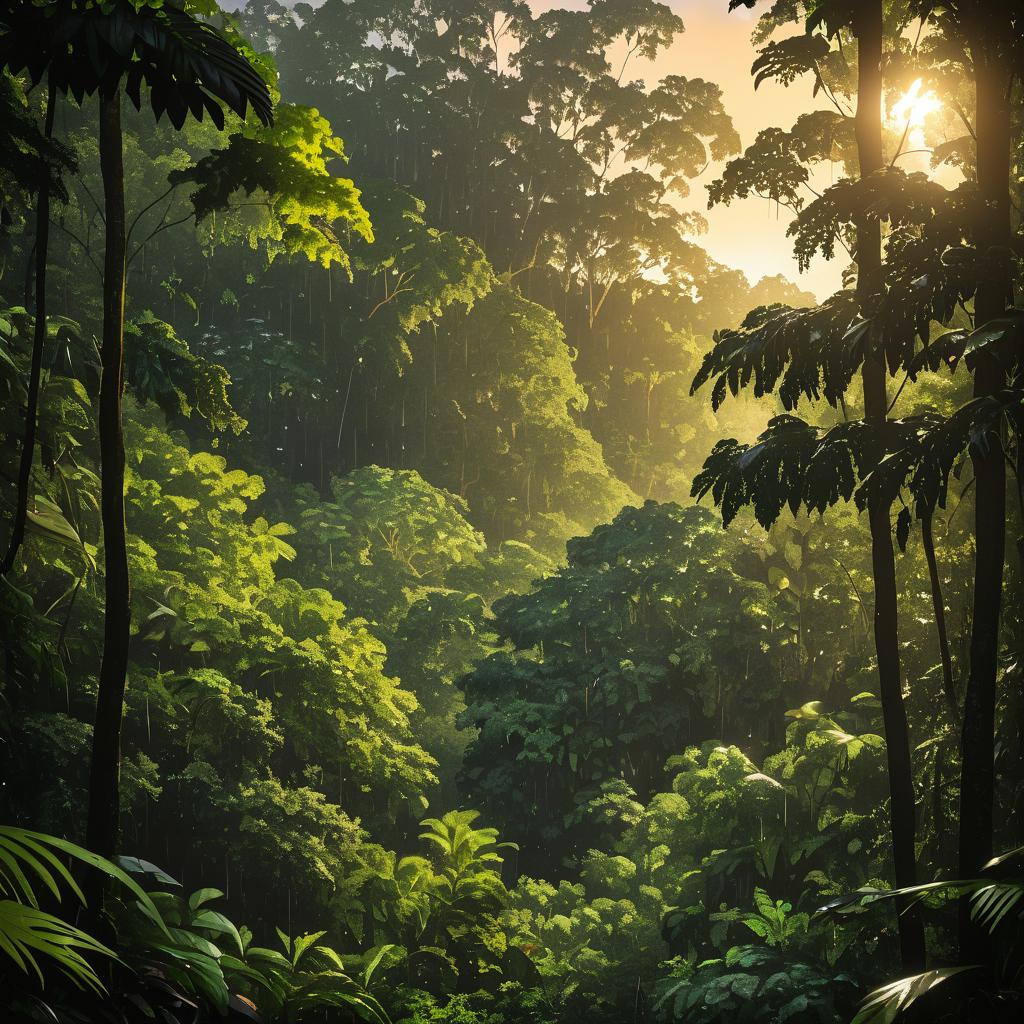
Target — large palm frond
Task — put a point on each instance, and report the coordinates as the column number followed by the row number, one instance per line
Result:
column 32, row 938
column 992, row 899
column 87, row 48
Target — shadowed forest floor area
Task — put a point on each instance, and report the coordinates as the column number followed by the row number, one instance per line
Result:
column 434, row 589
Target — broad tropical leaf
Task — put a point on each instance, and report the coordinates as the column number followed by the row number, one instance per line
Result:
column 87, row 48
column 885, row 1004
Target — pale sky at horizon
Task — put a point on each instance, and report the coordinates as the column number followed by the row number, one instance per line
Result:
column 749, row 235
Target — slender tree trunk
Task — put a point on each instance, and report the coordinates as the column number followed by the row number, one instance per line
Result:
column 102, row 827
column 902, row 812
column 28, row 447
column 939, row 610
column 977, row 776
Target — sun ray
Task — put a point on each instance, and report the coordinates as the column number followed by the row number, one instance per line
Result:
column 913, row 107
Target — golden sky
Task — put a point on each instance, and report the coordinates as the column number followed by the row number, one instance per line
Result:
column 749, row 235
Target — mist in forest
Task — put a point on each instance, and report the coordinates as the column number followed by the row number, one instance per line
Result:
column 511, row 512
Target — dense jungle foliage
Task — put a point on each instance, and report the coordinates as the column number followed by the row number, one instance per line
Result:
column 434, row 590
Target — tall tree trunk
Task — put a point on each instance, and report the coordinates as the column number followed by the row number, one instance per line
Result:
column 902, row 813
column 977, row 776
column 102, row 827
column 939, row 611
column 28, row 448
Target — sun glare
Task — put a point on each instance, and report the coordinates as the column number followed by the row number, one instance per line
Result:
column 911, row 109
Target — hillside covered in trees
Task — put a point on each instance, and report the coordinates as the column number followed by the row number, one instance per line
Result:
column 435, row 590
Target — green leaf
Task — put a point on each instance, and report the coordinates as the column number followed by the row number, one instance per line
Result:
column 213, row 921
column 138, row 866
column 744, row 985
column 885, row 1004
column 795, row 1006
column 27, row 934
column 201, row 896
